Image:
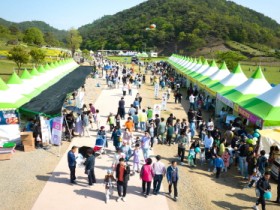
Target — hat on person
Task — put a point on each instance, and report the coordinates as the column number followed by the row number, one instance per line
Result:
column 109, row 171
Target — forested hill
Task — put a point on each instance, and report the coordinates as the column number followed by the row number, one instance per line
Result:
column 184, row 25
column 44, row 27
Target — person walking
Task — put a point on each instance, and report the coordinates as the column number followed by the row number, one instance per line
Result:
column 182, row 143
column 159, row 171
column 116, row 137
column 161, row 130
column 143, row 120
column 146, row 175
column 122, row 176
column 263, row 186
column 72, row 164
column 89, row 169
column 172, row 176
column 145, row 144
column 169, row 133
column 121, row 109
column 85, row 122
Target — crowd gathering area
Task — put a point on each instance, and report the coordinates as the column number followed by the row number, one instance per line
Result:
column 222, row 131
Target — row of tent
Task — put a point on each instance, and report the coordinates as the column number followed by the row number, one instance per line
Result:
column 252, row 97
column 21, row 89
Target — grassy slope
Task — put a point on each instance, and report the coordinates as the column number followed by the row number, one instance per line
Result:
column 7, row 66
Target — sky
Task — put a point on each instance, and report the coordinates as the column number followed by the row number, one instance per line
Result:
column 64, row 14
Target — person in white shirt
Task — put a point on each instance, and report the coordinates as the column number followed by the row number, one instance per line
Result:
column 191, row 99
column 159, row 172
column 208, row 143
column 210, row 125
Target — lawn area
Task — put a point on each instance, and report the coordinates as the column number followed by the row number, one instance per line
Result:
column 271, row 73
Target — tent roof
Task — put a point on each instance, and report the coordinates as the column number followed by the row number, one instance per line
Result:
column 257, row 84
column 14, row 79
column 34, row 72
column 235, row 78
column 266, row 106
column 272, row 96
column 41, row 69
column 3, row 85
column 207, row 72
column 25, row 74
column 254, row 86
column 217, row 76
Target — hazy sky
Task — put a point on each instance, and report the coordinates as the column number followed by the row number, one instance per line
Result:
column 64, row 14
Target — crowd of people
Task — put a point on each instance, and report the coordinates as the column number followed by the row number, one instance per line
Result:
column 205, row 141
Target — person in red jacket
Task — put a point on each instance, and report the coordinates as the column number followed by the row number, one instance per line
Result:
column 146, row 175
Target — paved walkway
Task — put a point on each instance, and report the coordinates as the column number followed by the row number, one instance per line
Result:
column 59, row 194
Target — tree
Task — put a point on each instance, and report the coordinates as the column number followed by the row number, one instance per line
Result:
column 74, row 40
column 38, row 56
column 33, row 36
column 19, row 56
column 230, row 57
column 50, row 39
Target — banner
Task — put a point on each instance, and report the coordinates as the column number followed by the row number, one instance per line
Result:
column 164, row 101
column 45, row 130
column 9, row 117
column 225, row 100
column 156, row 90
column 157, row 108
column 57, row 130
column 10, row 133
column 252, row 118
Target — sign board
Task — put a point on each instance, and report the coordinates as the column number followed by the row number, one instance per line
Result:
column 164, row 101
column 45, row 130
column 157, row 108
column 225, row 100
column 57, row 130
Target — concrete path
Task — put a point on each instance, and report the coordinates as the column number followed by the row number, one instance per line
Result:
column 59, row 194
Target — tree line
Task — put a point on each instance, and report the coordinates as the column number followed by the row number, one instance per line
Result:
column 184, row 25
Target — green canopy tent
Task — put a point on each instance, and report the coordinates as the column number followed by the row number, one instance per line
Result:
column 266, row 106
column 253, row 87
column 217, row 76
column 206, row 73
column 234, row 79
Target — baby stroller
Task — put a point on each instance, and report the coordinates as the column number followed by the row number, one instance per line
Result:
column 99, row 145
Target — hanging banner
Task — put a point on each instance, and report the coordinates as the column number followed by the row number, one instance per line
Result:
column 157, row 108
column 164, row 101
column 251, row 117
column 45, row 130
column 9, row 117
column 225, row 100
column 57, row 130
column 156, row 90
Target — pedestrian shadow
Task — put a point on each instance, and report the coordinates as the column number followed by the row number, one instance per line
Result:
column 242, row 196
column 52, row 179
column 89, row 193
column 230, row 206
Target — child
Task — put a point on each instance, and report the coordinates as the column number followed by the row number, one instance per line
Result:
column 109, row 187
column 254, row 178
column 219, row 164
column 202, row 156
column 226, row 159
column 126, row 150
column 136, row 158
column 191, row 156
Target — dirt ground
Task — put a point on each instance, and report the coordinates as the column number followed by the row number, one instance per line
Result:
column 198, row 188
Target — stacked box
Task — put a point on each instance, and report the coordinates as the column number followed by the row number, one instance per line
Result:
column 27, row 141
